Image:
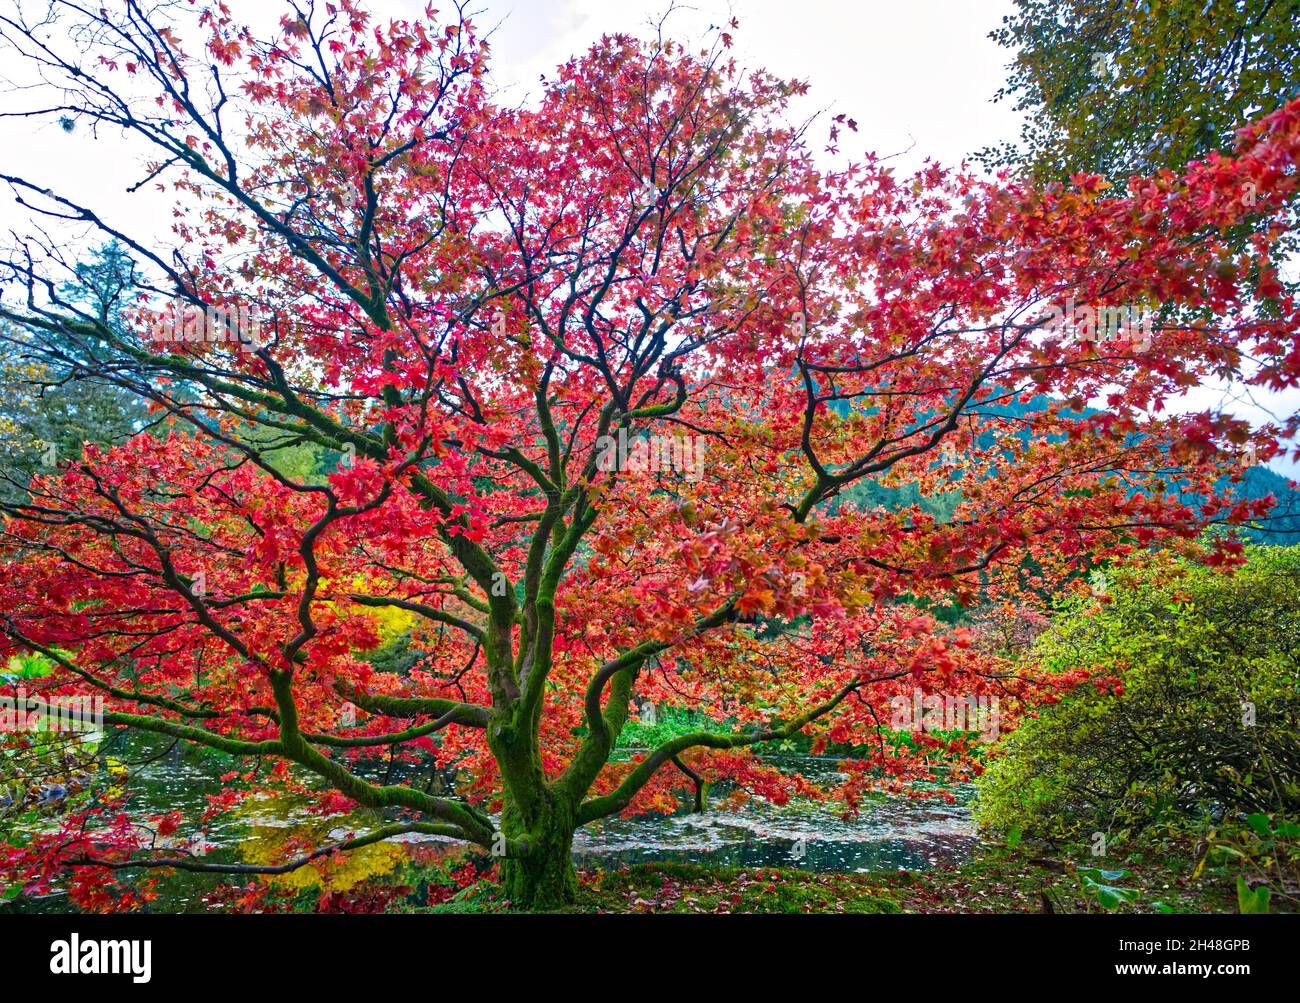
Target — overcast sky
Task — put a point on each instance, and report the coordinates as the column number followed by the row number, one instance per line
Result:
column 919, row 73
column 917, row 76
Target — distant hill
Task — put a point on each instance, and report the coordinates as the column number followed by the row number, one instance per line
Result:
column 1283, row 524
column 1282, row 527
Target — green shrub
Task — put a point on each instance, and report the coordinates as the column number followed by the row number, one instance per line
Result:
column 1201, row 656
column 669, row 723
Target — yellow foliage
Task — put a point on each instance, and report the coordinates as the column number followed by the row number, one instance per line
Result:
column 268, row 844
column 391, row 622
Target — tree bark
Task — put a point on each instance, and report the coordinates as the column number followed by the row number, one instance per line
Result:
column 545, row 877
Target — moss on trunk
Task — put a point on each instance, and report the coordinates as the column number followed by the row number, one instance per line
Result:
column 545, row 878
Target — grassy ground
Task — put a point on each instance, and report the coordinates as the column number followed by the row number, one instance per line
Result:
column 998, row 880
column 1173, row 872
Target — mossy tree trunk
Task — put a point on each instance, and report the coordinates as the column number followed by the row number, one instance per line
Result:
column 545, row 878
column 537, row 815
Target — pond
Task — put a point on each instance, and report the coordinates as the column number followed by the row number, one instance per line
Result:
column 889, row 833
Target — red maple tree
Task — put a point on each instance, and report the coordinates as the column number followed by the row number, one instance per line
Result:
column 634, row 401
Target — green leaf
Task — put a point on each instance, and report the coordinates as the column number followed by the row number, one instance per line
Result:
column 1260, row 823
column 1095, row 874
column 1252, row 901
column 30, row 666
column 1109, row 896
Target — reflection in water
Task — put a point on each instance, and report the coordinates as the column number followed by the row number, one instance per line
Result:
column 892, row 833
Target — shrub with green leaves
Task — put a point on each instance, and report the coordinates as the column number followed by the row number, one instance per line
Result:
column 1205, row 723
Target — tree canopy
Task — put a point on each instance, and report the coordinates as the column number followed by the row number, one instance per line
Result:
column 600, row 372
column 1122, row 88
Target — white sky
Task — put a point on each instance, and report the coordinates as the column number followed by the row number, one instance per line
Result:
column 918, row 73
column 918, row 76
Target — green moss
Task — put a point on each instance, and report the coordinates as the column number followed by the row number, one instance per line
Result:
column 693, row 888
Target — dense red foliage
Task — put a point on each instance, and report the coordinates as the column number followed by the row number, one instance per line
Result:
column 468, row 297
